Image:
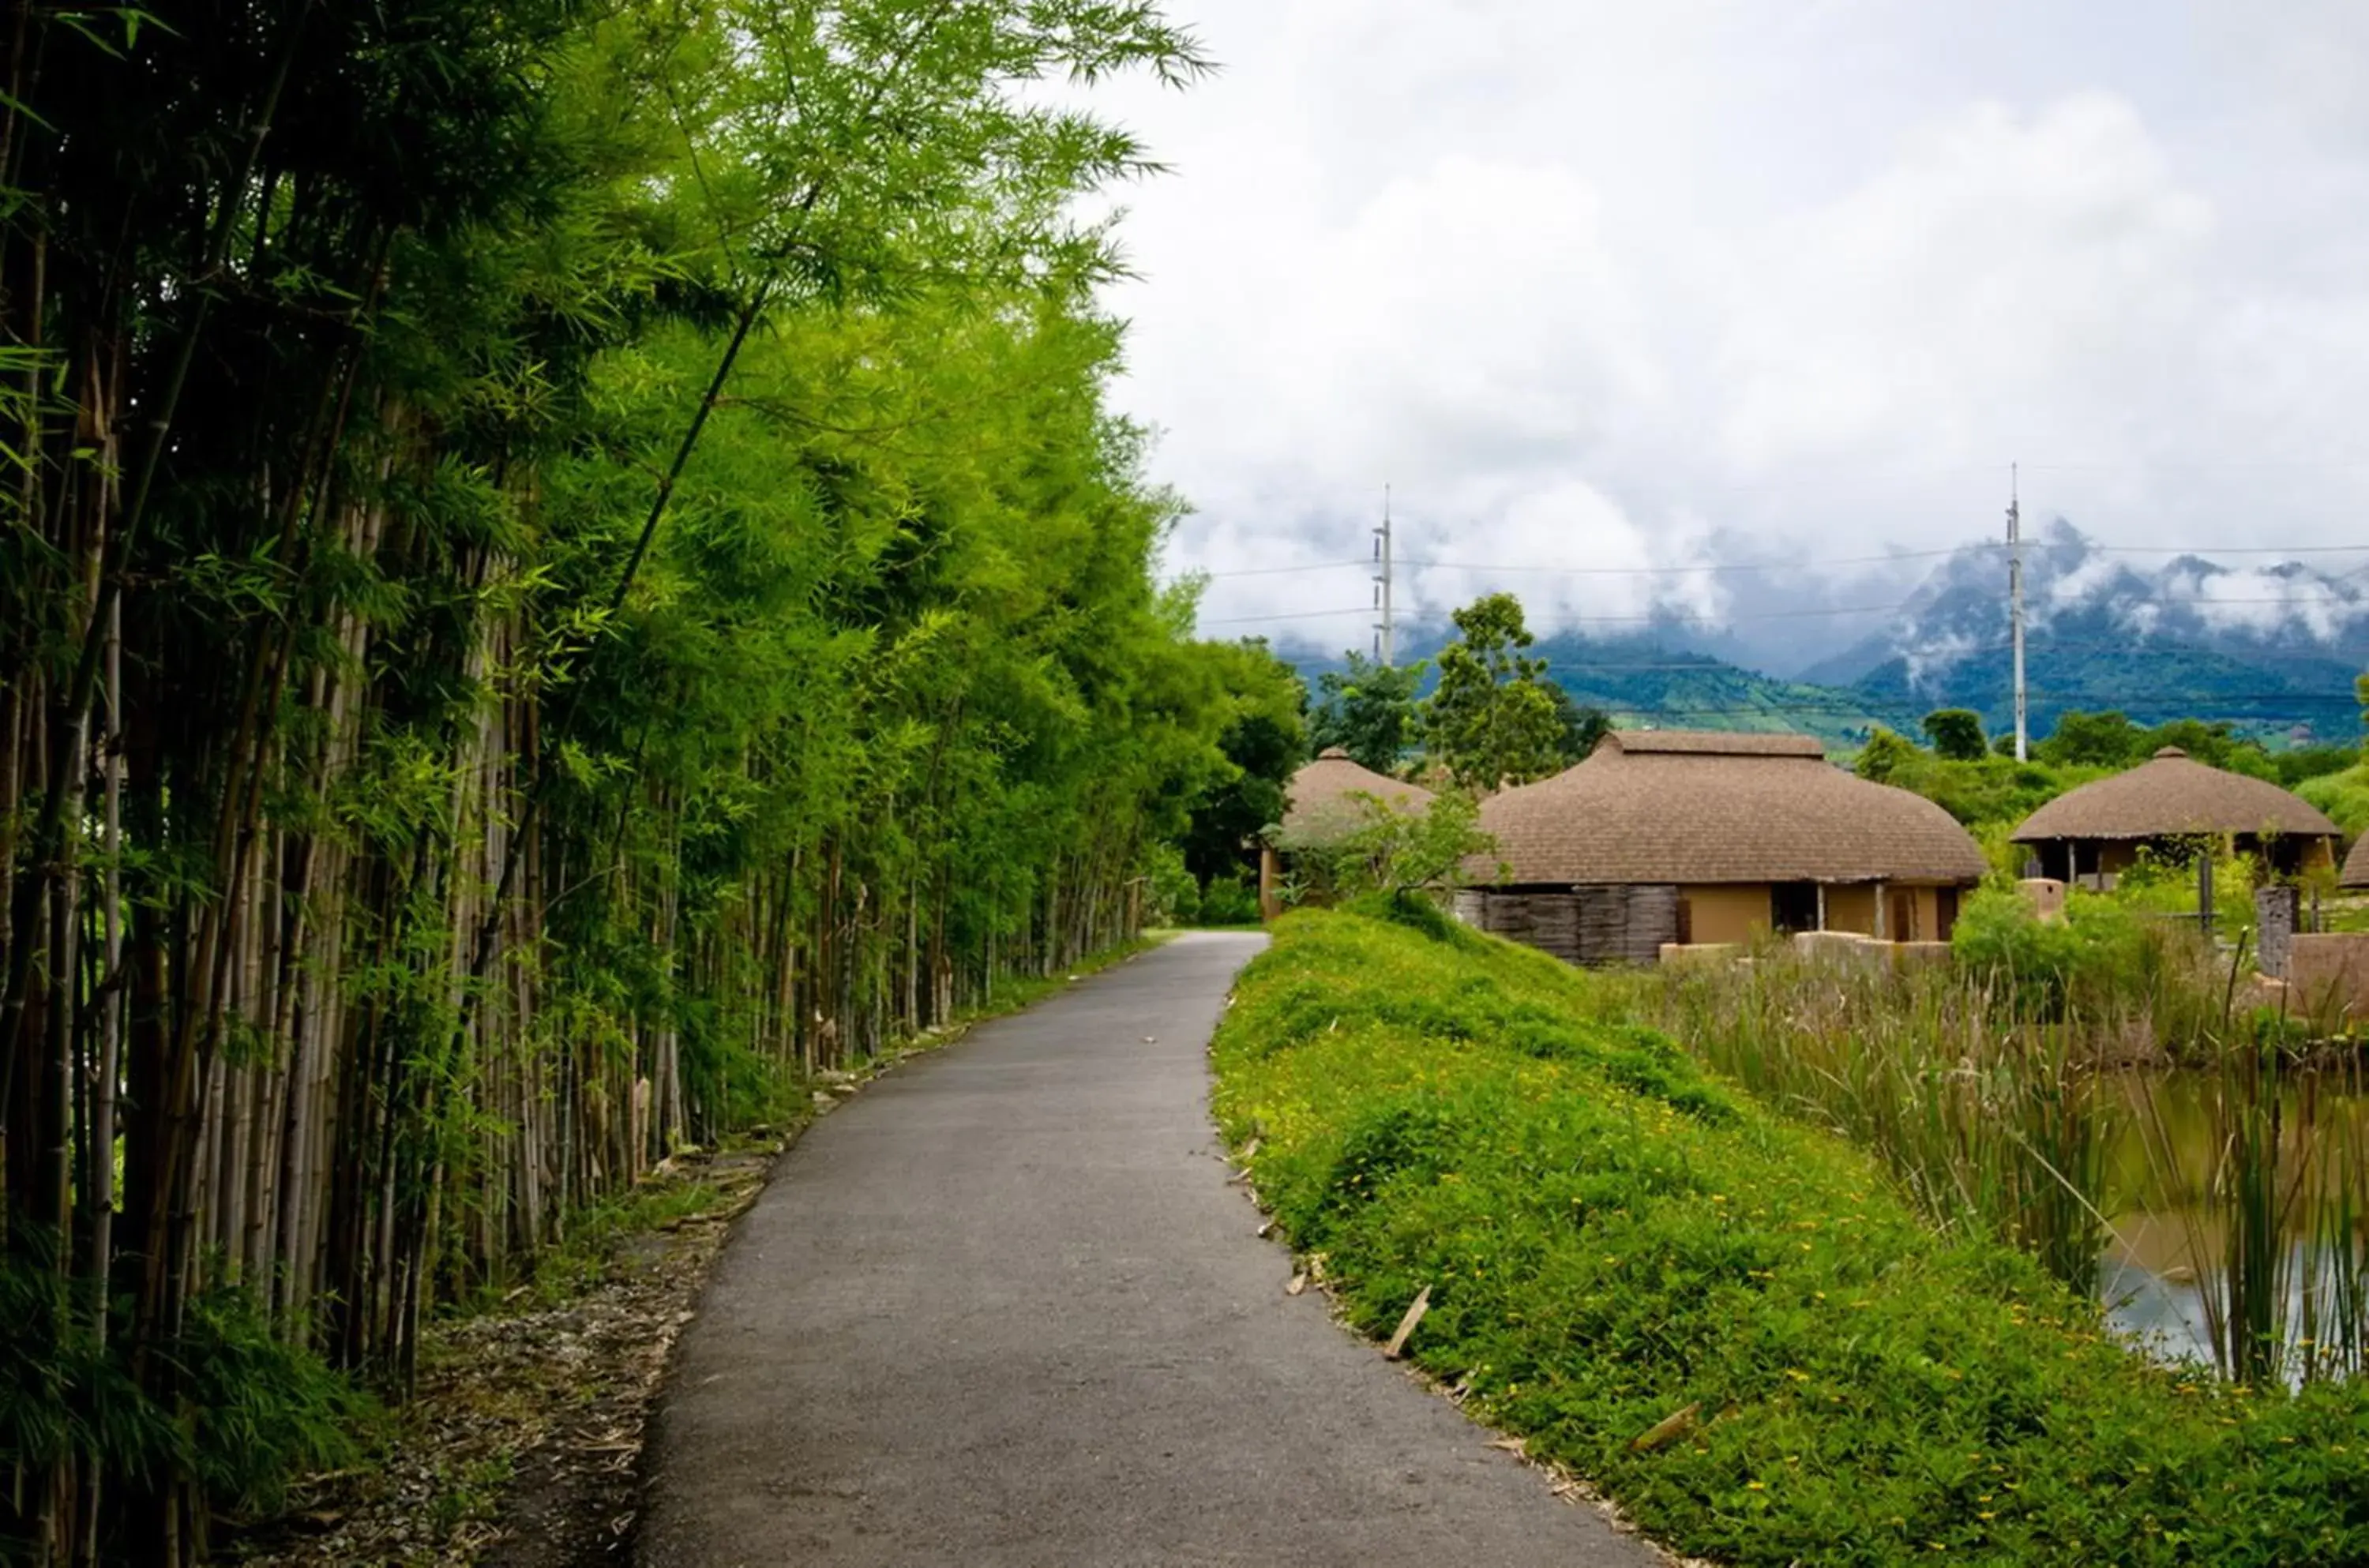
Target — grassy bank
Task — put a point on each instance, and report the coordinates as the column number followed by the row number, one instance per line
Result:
column 1612, row 1239
column 1980, row 1086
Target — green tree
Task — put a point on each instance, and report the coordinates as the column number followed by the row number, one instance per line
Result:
column 2106, row 740
column 1957, row 735
column 1886, row 755
column 2215, row 742
column 1582, row 726
column 1398, row 853
column 1493, row 720
column 1264, row 741
column 1369, row 710
column 557, row 558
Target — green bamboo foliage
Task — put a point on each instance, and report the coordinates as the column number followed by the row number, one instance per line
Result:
column 561, row 568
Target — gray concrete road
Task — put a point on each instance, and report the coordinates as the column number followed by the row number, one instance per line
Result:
column 1003, row 1308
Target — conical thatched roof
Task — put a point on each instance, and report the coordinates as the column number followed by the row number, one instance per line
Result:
column 1318, row 807
column 1654, row 807
column 2170, row 795
column 2356, row 865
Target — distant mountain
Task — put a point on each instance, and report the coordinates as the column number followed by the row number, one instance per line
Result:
column 2271, row 647
column 1642, row 681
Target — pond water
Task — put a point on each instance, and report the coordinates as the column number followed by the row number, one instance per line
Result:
column 2173, row 1180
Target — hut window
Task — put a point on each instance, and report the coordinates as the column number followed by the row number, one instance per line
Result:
column 1793, row 906
column 1945, row 912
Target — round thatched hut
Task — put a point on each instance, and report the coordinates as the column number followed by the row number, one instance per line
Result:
column 1668, row 836
column 2092, row 834
column 1320, row 806
column 2356, row 865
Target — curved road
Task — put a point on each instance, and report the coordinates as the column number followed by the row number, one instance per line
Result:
column 1003, row 1308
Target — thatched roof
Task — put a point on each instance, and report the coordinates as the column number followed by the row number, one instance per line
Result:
column 2356, row 865
column 1661, row 806
column 1318, row 807
column 2170, row 795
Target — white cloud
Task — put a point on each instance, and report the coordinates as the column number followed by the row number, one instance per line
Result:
column 1622, row 286
column 2004, row 276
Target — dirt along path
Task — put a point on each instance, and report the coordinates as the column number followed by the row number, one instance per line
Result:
column 1006, row 1308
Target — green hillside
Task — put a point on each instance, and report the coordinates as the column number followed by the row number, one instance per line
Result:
column 1639, row 683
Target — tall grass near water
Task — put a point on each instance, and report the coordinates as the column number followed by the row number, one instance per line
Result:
column 2261, row 1160
column 1997, row 1090
column 1990, row 1123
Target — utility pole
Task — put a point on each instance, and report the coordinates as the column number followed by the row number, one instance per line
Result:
column 2015, row 605
column 1385, row 629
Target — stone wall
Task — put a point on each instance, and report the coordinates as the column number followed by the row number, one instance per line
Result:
column 2276, row 909
column 2327, row 974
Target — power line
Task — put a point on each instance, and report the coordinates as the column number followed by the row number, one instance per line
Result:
column 1435, row 617
column 1703, row 569
column 1727, row 568
column 1668, row 617
column 1278, row 571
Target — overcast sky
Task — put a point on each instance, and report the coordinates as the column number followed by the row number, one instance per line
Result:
column 1669, row 282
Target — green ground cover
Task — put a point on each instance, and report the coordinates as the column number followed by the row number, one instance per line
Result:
column 1612, row 1236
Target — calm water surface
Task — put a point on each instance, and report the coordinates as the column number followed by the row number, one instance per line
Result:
column 2168, row 1236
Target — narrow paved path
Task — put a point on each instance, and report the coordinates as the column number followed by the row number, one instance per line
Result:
column 1003, row 1308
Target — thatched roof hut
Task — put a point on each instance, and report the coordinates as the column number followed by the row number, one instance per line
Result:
column 2098, row 828
column 1320, row 803
column 2356, row 864
column 1689, row 807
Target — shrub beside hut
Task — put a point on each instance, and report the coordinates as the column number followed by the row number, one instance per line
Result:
column 2166, row 806
column 1667, row 837
column 1323, row 805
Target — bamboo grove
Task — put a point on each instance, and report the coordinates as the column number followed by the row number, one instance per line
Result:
column 563, row 564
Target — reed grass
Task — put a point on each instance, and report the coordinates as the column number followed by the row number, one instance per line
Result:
column 2270, row 1200
column 1986, row 1086
column 1990, row 1124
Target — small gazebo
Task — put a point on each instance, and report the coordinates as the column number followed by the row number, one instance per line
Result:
column 2090, row 835
column 1321, row 806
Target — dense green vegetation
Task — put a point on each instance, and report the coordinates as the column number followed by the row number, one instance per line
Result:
column 1990, row 792
column 1494, row 719
column 1367, row 709
column 1639, row 681
column 1733, row 1324
column 1491, row 714
column 562, row 566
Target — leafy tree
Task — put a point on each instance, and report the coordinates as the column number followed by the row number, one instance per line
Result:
column 557, row 558
column 2292, row 768
column 1263, row 742
column 2106, row 740
column 2111, row 740
column 1493, row 720
column 1368, row 710
column 1583, row 727
column 1395, row 851
column 2214, row 743
column 1885, row 755
column 1957, row 735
